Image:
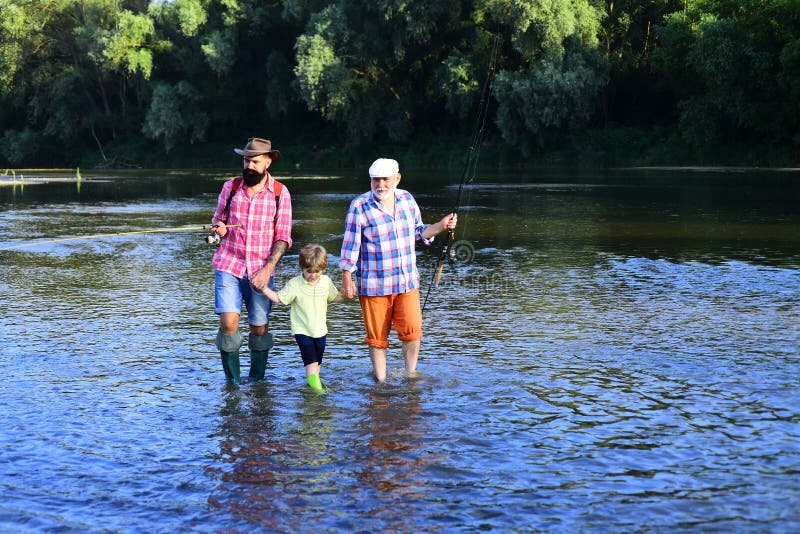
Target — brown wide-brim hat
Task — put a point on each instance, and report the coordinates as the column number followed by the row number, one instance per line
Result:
column 256, row 146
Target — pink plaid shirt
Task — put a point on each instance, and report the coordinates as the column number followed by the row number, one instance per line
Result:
column 245, row 250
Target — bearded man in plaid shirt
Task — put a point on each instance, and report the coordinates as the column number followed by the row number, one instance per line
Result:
column 381, row 230
column 260, row 210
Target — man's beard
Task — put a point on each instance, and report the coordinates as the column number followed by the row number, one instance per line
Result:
column 386, row 194
column 252, row 177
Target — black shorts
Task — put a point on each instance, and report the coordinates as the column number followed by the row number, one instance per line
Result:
column 311, row 348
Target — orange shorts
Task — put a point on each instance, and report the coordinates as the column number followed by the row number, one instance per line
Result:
column 401, row 310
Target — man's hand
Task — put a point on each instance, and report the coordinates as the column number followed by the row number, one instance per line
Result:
column 449, row 221
column 261, row 278
column 219, row 228
column 348, row 286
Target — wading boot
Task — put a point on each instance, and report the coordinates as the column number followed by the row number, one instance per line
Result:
column 315, row 383
column 259, row 351
column 228, row 345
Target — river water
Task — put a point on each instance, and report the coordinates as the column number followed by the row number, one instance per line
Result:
column 609, row 351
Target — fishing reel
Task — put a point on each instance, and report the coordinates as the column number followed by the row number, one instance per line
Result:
column 212, row 239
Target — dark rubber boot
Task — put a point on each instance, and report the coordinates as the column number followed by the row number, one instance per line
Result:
column 259, row 351
column 228, row 345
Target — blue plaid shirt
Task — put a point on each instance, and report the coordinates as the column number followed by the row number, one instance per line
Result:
column 379, row 248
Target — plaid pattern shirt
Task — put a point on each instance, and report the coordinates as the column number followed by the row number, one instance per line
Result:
column 379, row 248
column 245, row 250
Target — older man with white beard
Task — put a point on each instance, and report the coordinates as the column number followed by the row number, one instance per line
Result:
column 381, row 230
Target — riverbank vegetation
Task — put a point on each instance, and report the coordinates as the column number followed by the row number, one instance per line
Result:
column 159, row 83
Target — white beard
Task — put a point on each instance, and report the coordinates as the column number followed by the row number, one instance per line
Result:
column 389, row 193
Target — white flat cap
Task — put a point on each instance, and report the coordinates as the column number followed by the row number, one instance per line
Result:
column 383, row 167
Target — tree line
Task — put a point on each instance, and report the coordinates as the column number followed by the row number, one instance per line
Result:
column 156, row 82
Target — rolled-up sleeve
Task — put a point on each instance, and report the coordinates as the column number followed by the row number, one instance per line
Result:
column 419, row 226
column 351, row 244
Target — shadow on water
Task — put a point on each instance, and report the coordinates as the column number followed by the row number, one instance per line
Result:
column 608, row 351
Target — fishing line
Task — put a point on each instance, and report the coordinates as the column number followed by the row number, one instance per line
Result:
column 470, row 164
column 205, row 227
column 478, row 128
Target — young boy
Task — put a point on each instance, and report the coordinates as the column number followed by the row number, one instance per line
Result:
column 309, row 295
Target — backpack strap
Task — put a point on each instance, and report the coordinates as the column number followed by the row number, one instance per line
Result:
column 237, row 184
column 279, row 187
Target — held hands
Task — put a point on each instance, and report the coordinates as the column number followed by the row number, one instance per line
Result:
column 348, row 286
column 261, row 278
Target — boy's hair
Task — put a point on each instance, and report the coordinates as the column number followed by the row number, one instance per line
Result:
column 313, row 257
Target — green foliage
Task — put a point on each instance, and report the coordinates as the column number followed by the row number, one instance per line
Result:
column 725, row 61
column 126, row 45
column 24, row 39
column 371, row 67
column 554, row 95
column 174, row 114
column 278, row 97
column 64, row 109
column 220, row 51
column 188, row 16
column 676, row 38
column 700, row 79
column 12, row 24
column 458, row 81
column 322, row 76
column 557, row 84
column 541, row 28
column 18, row 147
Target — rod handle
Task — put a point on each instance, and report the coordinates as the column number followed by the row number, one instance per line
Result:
column 212, row 226
column 438, row 276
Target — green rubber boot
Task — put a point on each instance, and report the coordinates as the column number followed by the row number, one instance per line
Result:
column 315, row 383
column 228, row 345
column 259, row 351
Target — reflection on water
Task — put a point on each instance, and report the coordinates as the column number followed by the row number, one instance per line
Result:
column 389, row 463
column 607, row 352
column 265, row 464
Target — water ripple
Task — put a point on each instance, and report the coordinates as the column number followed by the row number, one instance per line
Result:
column 564, row 386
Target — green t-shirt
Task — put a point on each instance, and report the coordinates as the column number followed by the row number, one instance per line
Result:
column 309, row 304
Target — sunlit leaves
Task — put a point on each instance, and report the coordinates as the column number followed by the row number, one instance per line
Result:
column 232, row 13
column 190, row 16
column 735, row 59
column 23, row 37
column 12, row 22
column 219, row 49
column 458, row 82
column 541, row 26
column 126, row 45
column 321, row 75
column 552, row 95
column 556, row 84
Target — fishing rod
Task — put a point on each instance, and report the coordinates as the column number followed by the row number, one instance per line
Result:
column 470, row 164
column 206, row 227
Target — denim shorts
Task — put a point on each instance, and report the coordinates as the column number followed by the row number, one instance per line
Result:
column 231, row 292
